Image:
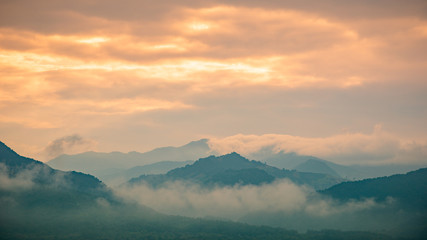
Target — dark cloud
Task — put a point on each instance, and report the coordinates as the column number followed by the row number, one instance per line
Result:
column 65, row 16
column 345, row 9
column 49, row 16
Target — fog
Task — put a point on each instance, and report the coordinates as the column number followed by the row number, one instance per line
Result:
column 28, row 178
column 23, row 180
column 279, row 204
column 234, row 203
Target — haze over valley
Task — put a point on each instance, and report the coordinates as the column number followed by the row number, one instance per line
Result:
column 138, row 119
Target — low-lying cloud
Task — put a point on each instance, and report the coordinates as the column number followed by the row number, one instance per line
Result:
column 187, row 199
column 31, row 176
column 23, row 180
column 350, row 148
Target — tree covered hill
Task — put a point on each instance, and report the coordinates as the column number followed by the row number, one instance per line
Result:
column 233, row 169
column 409, row 189
column 32, row 183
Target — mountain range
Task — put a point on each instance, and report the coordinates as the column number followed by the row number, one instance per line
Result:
column 304, row 163
column 109, row 164
column 38, row 202
column 116, row 167
column 409, row 190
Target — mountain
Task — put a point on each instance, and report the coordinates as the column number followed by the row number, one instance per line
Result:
column 102, row 164
column 403, row 198
column 359, row 172
column 396, row 205
column 316, row 166
column 114, row 167
column 121, row 176
column 38, row 202
column 304, row 163
column 13, row 161
column 233, row 169
column 156, row 168
column 410, row 189
column 30, row 182
column 281, row 159
column 294, row 161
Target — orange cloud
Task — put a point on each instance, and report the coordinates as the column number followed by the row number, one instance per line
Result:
column 77, row 62
column 280, row 47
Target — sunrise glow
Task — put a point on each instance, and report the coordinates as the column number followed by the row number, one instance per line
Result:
column 249, row 68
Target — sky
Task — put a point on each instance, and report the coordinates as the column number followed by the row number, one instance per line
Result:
column 133, row 75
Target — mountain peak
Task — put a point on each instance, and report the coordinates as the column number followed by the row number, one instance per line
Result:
column 229, row 161
column 102, row 164
column 234, row 154
column 233, row 157
column 202, row 143
column 316, row 166
column 231, row 169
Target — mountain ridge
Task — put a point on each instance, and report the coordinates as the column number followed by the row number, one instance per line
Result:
column 98, row 163
column 118, row 177
column 293, row 161
column 207, row 172
column 45, row 185
column 410, row 188
column 108, row 166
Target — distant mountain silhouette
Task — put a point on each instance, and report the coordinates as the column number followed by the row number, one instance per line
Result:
column 104, row 164
column 115, row 167
column 294, row 161
column 409, row 189
column 316, row 166
column 281, row 159
column 121, row 176
column 233, row 169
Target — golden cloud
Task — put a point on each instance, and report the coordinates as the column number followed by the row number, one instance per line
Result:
column 68, row 62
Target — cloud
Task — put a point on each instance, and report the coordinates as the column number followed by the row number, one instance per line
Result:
column 350, row 148
column 345, row 10
column 31, row 176
column 218, row 67
column 188, row 199
column 289, row 46
column 68, row 145
column 21, row 181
